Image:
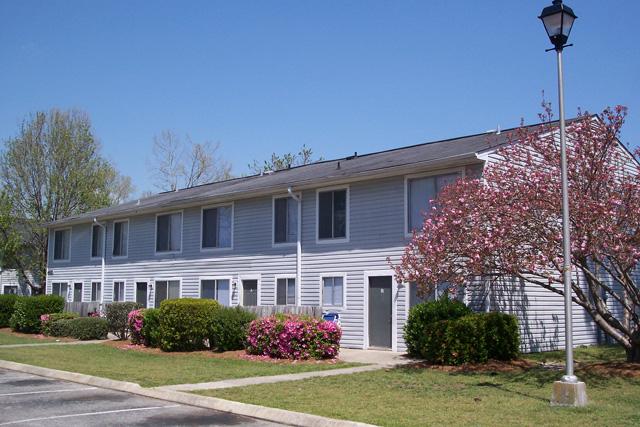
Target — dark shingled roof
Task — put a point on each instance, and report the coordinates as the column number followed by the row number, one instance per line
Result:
column 429, row 153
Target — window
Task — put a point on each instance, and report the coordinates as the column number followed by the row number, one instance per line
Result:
column 416, row 298
column 285, row 220
column 59, row 288
column 333, row 291
column 217, row 289
column 169, row 232
column 13, row 290
column 420, row 192
column 332, row 214
column 166, row 289
column 96, row 291
column 97, row 241
column 120, row 238
column 217, row 227
column 286, row 291
column 61, row 244
column 118, row 291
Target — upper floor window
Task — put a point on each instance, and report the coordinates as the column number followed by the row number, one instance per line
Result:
column 332, row 214
column 217, row 227
column 420, row 192
column 61, row 244
column 217, row 289
column 120, row 238
column 286, row 291
column 285, row 220
column 97, row 241
column 169, row 232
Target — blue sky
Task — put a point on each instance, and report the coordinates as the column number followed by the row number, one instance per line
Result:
column 338, row 76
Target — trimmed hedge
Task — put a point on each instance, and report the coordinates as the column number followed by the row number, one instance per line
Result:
column 7, row 303
column 228, row 329
column 46, row 320
column 423, row 314
column 117, row 318
column 471, row 338
column 151, row 327
column 185, row 323
column 27, row 312
column 81, row 328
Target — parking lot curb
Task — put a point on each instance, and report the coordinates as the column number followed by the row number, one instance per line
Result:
column 255, row 411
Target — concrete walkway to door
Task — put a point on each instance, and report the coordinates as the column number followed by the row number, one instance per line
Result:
column 375, row 357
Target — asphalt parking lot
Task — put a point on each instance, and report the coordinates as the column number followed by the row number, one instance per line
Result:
column 37, row 401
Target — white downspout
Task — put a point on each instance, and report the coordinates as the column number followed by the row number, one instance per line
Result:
column 102, row 259
column 298, row 198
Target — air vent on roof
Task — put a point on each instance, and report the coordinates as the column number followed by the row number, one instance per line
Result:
column 355, row 156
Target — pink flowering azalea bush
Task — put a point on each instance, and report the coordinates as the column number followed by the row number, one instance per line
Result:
column 293, row 337
column 135, row 319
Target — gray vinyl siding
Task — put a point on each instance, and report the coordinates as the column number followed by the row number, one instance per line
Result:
column 376, row 234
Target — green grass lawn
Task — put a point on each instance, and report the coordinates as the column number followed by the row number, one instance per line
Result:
column 151, row 369
column 418, row 396
column 6, row 337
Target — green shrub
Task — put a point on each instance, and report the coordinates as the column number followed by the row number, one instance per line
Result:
column 502, row 336
column 229, row 328
column 7, row 303
column 473, row 338
column 151, row 327
column 27, row 312
column 81, row 328
column 117, row 318
column 47, row 320
column 185, row 323
column 423, row 314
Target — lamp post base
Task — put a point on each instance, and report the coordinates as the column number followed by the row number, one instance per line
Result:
column 569, row 394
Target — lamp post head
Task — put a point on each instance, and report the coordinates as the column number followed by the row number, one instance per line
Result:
column 558, row 20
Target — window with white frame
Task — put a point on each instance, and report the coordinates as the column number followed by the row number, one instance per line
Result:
column 96, row 291
column 333, row 291
column 120, row 238
column 416, row 296
column 285, row 220
column 217, row 227
column 61, row 241
column 118, row 290
column 166, row 289
column 286, row 291
column 97, row 241
column 421, row 192
column 60, row 288
column 10, row 290
column 217, row 289
column 169, row 232
column 332, row 214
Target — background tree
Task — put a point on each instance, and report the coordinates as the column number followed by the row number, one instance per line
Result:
column 279, row 162
column 181, row 163
column 508, row 224
column 52, row 169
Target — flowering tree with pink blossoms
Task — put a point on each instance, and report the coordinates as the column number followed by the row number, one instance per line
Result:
column 508, row 223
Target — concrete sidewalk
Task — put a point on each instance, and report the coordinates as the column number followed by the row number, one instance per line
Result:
column 43, row 344
column 376, row 357
column 242, row 382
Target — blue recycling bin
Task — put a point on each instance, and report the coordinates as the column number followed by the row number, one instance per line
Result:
column 330, row 316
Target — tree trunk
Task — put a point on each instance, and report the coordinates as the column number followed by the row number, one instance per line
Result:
column 633, row 353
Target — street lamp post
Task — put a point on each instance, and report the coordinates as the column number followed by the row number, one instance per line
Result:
column 558, row 20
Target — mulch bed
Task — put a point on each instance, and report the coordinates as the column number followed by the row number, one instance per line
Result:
column 8, row 331
column 611, row 369
column 237, row 355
